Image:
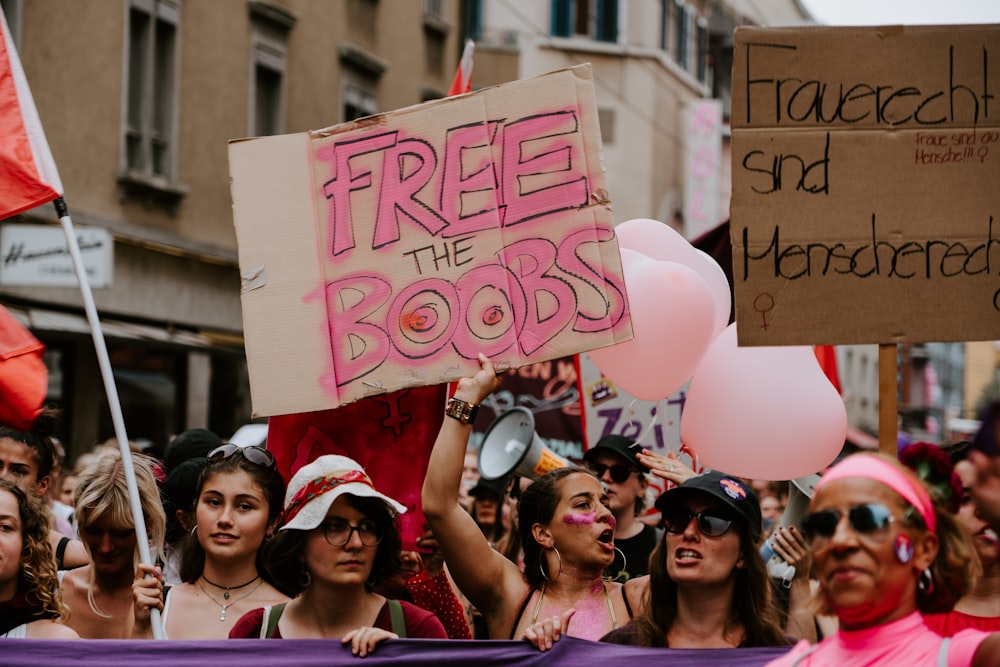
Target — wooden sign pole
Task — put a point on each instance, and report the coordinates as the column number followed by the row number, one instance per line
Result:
column 888, row 390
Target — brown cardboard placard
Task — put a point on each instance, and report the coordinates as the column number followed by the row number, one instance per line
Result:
column 387, row 252
column 866, row 184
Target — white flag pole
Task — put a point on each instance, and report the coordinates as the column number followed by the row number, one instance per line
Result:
column 117, row 419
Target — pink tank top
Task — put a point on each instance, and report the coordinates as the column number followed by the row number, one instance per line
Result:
column 907, row 641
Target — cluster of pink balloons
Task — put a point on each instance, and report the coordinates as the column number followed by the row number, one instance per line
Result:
column 679, row 302
column 756, row 412
column 763, row 412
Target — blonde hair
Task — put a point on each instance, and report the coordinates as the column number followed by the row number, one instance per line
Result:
column 37, row 576
column 102, row 490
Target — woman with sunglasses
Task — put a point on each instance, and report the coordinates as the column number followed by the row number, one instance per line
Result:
column 238, row 502
column 338, row 541
column 566, row 530
column 883, row 554
column 707, row 586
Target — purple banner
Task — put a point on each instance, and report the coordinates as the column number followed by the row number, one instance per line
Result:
column 413, row 652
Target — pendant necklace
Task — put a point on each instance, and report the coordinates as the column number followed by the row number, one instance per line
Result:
column 228, row 588
column 227, row 603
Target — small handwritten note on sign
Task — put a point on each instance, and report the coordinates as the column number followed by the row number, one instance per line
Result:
column 388, row 252
column 866, row 184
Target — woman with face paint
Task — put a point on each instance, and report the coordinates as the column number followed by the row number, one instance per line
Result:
column 566, row 529
column 707, row 585
column 883, row 554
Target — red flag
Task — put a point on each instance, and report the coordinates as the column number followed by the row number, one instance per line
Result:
column 27, row 170
column 391, row 436
column 827, row 357
column 462, row 83
column 24, row 379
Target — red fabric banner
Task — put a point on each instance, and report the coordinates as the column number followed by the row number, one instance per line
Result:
column 27, row 170
column 24, row 379
column 391, row 436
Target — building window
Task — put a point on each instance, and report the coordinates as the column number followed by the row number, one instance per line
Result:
column 701, row 50
column 359, row 96
column 472, row 20
column 12, row 12
column 270, row 26
column 434, row 8
column 682, row 32
column 150, row 131
column 596, row 19
column 665, row 6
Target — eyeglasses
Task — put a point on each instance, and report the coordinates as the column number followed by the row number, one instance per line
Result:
column 338, row 533
column 710, row 522
column 253, row 454
column 619, row 472
column 870, row 520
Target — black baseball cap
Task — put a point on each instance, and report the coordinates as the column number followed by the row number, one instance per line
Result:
column 624, row 447
column 495, row 486
column 730, row 490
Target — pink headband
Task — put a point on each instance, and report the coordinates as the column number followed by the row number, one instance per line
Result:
column 874, row 468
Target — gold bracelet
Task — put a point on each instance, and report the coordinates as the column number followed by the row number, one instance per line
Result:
column 463, row 411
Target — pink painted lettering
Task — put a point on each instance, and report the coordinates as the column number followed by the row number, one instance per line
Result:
column 468, row 182
column 551, row 301
column 408, row 167
column 358, row 346
column 543, row 170
column 338, row 189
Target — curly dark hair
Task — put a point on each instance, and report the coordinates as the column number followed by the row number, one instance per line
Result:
column 282, row 554
column 37, row 577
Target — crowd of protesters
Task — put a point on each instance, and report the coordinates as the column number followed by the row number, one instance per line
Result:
column 894, row 562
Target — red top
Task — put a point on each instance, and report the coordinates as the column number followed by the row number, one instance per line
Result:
column 420, row 624
column 948, row 624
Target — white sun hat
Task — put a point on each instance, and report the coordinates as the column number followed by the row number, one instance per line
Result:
column 315, row 486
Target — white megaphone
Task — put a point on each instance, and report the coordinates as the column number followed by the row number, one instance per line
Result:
column 800, row 492
column 512, row 446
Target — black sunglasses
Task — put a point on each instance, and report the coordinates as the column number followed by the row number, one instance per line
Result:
column 619, row 472
column 868, row 519
column 253, row 454
column 710, row 522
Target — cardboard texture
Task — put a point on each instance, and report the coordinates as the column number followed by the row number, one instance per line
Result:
column 866, row 184
column 387, row 252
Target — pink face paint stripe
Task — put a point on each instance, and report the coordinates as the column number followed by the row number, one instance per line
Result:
column 580, row 519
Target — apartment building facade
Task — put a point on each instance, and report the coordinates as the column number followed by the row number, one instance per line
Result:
column 138, row 99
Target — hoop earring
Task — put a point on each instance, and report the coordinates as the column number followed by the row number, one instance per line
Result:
column 541, row 559
column 305, row 579
column 194, row 530
column 926, row 582
column 624, row 561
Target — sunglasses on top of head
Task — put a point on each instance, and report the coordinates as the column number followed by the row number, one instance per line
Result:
column 711, row 522
column 253, row 454
column 619, row 472
column 869, row 520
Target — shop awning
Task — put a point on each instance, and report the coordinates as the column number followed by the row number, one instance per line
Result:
column 42, row 319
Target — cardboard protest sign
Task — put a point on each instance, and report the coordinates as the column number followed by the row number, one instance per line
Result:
column 385, row 253
column 547, row 389
column 656, row 425
column 866, row 164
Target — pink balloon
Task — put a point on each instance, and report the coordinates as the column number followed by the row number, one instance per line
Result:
column 762, row 412
column 672, row 320
column 660, row 241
